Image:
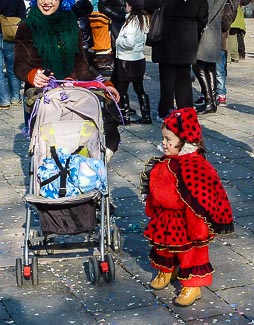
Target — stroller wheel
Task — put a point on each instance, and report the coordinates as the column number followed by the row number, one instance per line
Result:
column 35, row 271
column 116, row 239
column 109, row 276
column 94, row 270
column 19, row 273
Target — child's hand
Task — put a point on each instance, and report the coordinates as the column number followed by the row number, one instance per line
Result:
column 114, row 92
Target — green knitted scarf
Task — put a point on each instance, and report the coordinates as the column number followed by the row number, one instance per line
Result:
column 56, row 39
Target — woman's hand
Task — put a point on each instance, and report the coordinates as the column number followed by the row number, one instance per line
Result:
column 40, row 80
column 114, row 92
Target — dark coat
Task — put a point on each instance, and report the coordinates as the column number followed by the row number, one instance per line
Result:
column 82, row 9
column 115, row 10
column 184, row 21
column 12, row 8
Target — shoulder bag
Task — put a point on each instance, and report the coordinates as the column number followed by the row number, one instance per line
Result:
column 9, row 27
column 156, row 24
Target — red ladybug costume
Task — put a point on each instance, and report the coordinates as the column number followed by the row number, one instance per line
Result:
column 187, row 205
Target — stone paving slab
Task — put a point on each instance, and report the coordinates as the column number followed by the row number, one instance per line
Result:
column 10, row 195
column 241, row 299
column 229, row 266
column 231, row 318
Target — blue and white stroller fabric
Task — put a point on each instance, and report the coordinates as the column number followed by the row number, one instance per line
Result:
column 83, row 175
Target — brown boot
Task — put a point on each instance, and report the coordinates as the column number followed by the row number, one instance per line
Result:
column 162, row 279
column 188, row 296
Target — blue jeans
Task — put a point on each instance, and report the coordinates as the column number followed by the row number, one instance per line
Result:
column 9, row 85
column 221, row 74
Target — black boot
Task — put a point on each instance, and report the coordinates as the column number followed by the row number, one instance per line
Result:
column 125, row 108
column 213, row 82
column 145, row 110
column 208, row 86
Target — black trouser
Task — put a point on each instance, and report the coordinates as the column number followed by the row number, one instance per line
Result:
column 240, row 33
column 241, row 45
column 123, row 86
column 175, row 83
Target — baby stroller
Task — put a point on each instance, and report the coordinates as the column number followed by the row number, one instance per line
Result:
column 66, row 124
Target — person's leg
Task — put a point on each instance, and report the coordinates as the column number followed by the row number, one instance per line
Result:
column 4, row 94
column 195, row 268
column 241, row 45
column 211, row 72
column 221, row 74
column 167, row 265
column 122, row 88
column 234, row 55
column 221, row 78
column 167, row 74
column 112, row 135
column 13, row 82
column 199, row 70
column 195, row 271
column 143, row 103
column 206, row 81
column 114, row 75
column 183, row 94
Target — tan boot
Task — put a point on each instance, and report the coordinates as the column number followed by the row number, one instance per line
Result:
column 188, row 296
column 162, row 279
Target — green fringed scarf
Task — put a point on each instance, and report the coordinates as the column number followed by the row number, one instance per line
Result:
column 56, row 39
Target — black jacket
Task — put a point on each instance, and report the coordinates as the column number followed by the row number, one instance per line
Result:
column 182, row 27
column 12, row 8
column 82, row 9
column 115, row 10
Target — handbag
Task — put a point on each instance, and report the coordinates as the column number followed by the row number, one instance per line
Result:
column 156, row 25
column 9, row 27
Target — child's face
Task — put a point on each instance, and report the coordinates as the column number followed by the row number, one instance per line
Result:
column 170, row 142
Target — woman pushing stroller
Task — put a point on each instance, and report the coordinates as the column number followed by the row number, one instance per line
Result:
column 49, row 39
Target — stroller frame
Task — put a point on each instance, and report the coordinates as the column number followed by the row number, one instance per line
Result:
column 109, row 240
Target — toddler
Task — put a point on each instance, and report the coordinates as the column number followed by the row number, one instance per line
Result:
column 186, row 205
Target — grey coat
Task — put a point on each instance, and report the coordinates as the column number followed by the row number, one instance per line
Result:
column 209, row 47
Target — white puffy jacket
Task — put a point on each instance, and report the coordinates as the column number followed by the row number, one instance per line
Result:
column 131, row 41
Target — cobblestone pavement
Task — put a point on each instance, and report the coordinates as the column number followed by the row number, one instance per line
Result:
column 64, row 294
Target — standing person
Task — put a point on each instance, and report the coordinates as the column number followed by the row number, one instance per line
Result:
column 51, row 27
column 82, row 9
column 10, row 91
column 209, row 52
column 186, row 205
column 131, row 60
column 115, row 10
column 237, row 33
column 228, row 16
column 176, row 51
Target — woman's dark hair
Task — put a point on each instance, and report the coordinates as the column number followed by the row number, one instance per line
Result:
column 140, row 13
